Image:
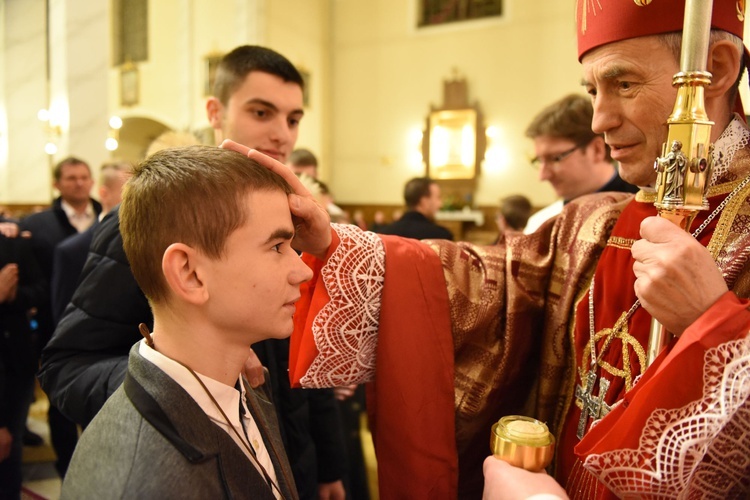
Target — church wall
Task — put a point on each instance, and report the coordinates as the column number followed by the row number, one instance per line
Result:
column 386, row 74
column 23, row 93
column 301, row 30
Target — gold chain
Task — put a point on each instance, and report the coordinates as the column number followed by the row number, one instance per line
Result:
column 595, row 360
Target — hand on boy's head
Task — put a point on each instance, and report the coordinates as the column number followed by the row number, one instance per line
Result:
column 311, row 221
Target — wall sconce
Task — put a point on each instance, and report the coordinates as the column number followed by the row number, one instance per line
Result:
column 113, row 136
column 414, row 151
column 496, row 159
column 52, row 130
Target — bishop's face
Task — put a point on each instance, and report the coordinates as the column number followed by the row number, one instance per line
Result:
column 630, row 83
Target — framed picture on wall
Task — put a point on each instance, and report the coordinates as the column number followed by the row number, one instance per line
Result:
column 439, row 12
column 129, row 84
column 211, row 63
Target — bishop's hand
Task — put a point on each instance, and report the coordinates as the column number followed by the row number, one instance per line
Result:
column 677, row 280
column 311, row 221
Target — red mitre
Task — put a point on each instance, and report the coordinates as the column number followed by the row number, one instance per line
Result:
column 600, row 22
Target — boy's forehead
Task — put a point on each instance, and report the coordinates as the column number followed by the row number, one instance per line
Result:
column 266, row 208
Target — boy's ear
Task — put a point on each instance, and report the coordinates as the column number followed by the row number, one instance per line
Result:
column 214, row 111
column 181, row 267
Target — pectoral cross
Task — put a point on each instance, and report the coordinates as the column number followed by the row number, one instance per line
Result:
column 592, row 406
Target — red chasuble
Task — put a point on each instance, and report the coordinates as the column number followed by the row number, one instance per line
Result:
column 681, row 407
column 624, row 358
column 411, row 413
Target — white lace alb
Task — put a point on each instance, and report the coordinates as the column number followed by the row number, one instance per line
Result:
column 701, row 450
column 346, row 329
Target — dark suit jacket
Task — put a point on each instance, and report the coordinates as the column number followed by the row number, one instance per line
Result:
column 152, row 440
column 48, row 228
column 18, row 359
column 69, row 258
column 415, row 225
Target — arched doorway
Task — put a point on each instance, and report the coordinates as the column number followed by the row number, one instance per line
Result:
column 136, row 134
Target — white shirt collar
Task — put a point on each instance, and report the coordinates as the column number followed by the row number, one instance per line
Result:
column 229, row 400
column 227, row 397
column 80, row 221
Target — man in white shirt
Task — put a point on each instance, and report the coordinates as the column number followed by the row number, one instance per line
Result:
column 73, row 212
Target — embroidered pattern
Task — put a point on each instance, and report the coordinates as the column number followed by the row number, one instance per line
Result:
column 734, row 138
column 345, row 331
column 584, row 7
column 618, row 242
column 701, row 450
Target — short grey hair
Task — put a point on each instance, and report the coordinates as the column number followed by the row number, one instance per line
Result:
column 673, row 41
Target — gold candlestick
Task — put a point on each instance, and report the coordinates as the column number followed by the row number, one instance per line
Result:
column 523, row 442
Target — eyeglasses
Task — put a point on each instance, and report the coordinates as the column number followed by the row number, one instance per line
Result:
column 538, row 161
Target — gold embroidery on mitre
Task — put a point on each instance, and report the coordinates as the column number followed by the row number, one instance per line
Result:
column 741, row 4
column 642, row 3
column 628, row 340
column 584, row 9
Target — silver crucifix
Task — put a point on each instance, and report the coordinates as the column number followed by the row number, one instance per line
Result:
column 593, row 407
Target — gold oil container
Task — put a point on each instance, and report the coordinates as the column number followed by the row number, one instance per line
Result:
column 523, row 442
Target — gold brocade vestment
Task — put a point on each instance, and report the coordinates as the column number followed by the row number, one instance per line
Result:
column 513, row 311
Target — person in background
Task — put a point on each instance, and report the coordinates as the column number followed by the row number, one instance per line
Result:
column 22, row 288
column 378, row 221
column 422, row 198
column 258, row 101
column 70, row 254
column 574, row 159
column 303, row 161
column 512, row 215
column 73, row 212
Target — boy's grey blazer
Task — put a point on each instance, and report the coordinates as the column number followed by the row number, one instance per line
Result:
column 152, row 440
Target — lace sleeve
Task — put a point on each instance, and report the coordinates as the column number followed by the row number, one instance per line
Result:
column 701, row 450
column 346, row 329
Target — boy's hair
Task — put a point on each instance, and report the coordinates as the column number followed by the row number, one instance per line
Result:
column 235, row 66
column 193, row 195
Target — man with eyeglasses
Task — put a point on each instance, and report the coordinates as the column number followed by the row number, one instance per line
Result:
column 570, row 156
